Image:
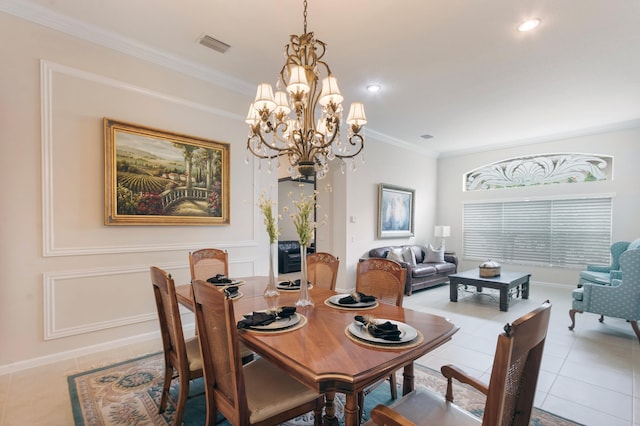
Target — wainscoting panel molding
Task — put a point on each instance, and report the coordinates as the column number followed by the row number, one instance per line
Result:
column 51, row 244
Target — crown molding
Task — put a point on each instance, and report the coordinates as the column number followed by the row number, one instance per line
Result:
column 45, row 17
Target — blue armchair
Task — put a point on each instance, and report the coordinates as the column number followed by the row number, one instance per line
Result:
column 619, row 300
column 603, row 274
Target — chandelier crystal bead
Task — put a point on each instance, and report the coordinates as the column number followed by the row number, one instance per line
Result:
column 304, row 123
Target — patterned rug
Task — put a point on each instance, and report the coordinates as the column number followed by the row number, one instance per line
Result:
column 128, row 393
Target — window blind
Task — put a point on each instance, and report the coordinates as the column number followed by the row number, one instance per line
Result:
column 561, row 233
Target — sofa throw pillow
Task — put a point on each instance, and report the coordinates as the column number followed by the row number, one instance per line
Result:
column 409, row 256
column 434, row 255
column 395, row 254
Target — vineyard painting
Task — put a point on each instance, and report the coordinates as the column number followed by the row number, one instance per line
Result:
column 155, row 177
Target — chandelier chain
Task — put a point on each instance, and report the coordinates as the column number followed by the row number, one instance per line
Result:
column 305, row 16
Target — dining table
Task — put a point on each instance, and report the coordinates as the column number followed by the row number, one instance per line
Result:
column 323, row 353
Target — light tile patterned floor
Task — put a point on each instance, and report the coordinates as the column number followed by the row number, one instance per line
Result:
column 590, row 375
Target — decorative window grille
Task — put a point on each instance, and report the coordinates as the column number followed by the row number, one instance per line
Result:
column 567, row 233
column 541, row 169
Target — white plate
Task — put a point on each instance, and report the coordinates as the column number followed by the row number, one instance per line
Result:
column 334, row 300
column 279, row 323
column 407, row 333
column 287, row 287
column 238, row 295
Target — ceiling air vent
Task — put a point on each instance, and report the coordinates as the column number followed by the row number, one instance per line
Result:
column 214, row 44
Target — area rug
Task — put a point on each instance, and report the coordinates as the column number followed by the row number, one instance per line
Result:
column 128, row 393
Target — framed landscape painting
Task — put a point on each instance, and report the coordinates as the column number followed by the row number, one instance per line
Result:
column 395, row 211
column 156, row 177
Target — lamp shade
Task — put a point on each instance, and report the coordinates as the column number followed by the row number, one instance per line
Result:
column 282, row 103
column 298, row 80
column 252, row 116
column 264, row 97
column 356, row 114
column 442, row 231
column 330, row 91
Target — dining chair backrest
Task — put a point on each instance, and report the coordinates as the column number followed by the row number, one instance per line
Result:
column 207, row 263
column 382, row 278
column 220, row 352
column 183, row 356
column 516, row 366
column 322, row 270
column 169, row 314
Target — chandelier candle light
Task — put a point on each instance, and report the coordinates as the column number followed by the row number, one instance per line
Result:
column 285, row 124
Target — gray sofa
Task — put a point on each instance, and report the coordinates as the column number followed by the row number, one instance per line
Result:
column 423, row 274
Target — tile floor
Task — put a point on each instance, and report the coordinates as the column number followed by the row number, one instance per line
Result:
column 591, row 376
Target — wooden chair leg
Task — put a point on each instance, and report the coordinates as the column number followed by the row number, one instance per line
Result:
column 168, row 376
column 183, row 395
column 572, row 315
column 634, row 325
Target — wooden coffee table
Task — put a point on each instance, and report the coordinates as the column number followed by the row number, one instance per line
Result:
column 503, row 282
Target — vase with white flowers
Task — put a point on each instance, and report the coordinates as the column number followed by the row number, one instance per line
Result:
column 266, row 206
column 305, row 225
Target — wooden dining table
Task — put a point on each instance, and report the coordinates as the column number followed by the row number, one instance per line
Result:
column 322, row 355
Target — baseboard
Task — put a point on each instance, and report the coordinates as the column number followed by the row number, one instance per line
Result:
column 86, row 350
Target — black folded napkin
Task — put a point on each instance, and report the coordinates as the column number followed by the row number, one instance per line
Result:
column 266, row 318
column 292, row 284
column 219, row 279
column 386, row 330
column 356, row 297
column 231, row 291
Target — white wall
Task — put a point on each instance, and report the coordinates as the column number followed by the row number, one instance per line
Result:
column 69, row 281
column 623, row 145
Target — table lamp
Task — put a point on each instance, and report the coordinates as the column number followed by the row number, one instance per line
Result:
column 442, row 231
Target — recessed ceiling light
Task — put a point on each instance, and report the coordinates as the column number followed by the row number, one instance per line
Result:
column 373, row 88
column 529, row 24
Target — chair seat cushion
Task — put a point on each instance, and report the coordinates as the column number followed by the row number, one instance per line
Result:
column 445, row 267
column 270, row 390
column 595, row 277
column 427, row 408
column 424, row 270
column 193, row 354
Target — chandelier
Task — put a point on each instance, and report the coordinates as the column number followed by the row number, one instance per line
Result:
column 303, row 123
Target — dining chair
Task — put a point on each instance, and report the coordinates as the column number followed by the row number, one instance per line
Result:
column 208, row 262
column 384, row 279
column 510, row 392
column 322, row 270
column 257, row 393
column 180, row 355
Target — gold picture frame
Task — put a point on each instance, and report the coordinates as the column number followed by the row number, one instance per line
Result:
column 157, row 177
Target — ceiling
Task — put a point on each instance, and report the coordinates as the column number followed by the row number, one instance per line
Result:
column 455, row 69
